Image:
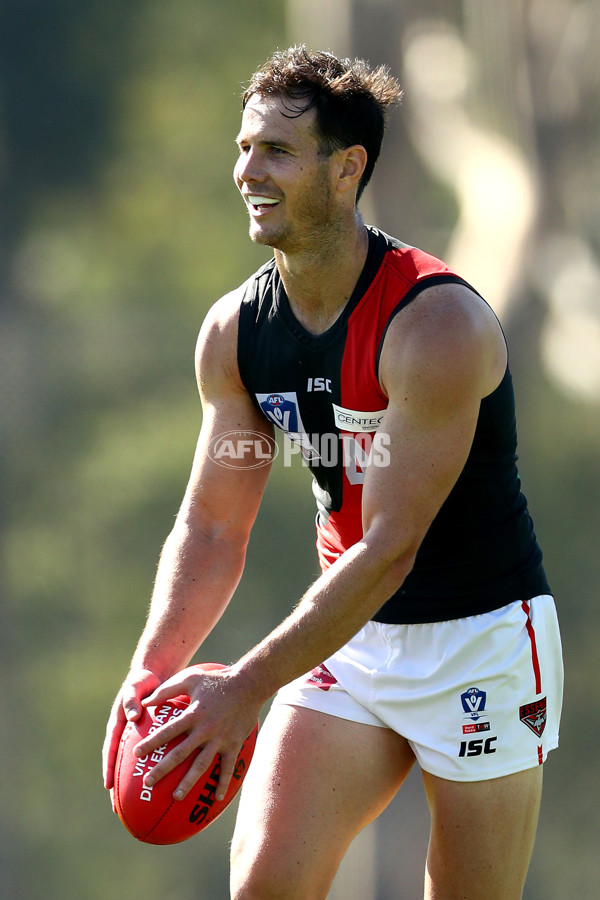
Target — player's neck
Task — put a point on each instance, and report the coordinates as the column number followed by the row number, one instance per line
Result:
column 320, row 281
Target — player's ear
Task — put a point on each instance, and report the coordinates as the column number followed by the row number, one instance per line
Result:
column 352, row 162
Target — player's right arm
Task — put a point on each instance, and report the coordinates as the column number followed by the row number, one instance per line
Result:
column 203, row 557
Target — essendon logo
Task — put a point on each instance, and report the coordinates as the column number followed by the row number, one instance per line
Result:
column 534, row 716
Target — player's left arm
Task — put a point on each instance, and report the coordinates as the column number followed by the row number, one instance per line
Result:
column 441, row 357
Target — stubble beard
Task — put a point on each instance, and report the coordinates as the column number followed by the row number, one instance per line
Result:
column 315, row 225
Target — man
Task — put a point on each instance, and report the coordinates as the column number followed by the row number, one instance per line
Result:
column 431, row 633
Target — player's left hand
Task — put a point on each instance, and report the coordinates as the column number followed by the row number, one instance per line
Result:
column 221, row 714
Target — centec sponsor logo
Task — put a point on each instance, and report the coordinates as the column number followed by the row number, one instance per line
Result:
column 243, row 450
column 354, row 420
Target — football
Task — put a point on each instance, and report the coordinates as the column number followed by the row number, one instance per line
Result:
column 151, row 814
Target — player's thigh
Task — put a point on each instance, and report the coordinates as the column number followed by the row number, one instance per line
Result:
column 315, row 781
column 482, row 835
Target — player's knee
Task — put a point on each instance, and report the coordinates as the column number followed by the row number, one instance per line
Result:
column 250, row 890
column 246, row 880
column 258, row 887
column 255, row 876
column 254, row 882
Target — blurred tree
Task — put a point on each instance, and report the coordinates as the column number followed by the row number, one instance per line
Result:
column 120, row 226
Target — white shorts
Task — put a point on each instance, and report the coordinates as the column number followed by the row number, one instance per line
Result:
column 476, row 698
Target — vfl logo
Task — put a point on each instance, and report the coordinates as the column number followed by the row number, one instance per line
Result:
column 534, row 716
column 282, row 409
column 473, row 702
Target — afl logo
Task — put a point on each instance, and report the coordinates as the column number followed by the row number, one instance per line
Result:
column 243, row 450
column 275, row 400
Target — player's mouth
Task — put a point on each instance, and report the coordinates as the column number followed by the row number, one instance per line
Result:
column 259, row 204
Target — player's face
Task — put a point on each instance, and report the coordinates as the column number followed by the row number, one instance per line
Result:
column 286, row 184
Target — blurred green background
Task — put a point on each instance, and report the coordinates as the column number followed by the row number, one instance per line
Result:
column 119, row 226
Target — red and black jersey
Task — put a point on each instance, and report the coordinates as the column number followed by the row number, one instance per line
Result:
column 323, row 391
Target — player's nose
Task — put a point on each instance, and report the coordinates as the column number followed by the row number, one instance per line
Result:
column 249, row 168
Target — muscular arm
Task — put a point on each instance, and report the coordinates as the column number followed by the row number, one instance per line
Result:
column 440, row 358
column 203, row 557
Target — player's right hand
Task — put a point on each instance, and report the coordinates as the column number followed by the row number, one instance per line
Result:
column 127, row 707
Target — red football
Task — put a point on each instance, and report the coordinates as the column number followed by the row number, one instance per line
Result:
column 151, row 814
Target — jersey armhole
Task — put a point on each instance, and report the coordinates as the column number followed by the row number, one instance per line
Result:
column 245, row 312
column 251, row 307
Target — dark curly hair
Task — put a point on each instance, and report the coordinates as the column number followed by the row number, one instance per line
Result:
column 351, row 99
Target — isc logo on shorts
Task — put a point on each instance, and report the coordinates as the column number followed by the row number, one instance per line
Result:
column 473, row 702
column 477, row 746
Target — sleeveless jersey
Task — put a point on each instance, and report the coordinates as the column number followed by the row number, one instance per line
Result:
column 480, row 552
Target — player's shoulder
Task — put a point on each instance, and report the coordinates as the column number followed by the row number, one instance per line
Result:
column 436, row 306
column 449, row 331
column 449, row 304
column 437, row 303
